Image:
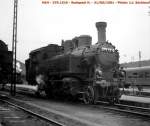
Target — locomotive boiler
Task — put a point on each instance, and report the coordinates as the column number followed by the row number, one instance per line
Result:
column 77, row 68
column 5, row 63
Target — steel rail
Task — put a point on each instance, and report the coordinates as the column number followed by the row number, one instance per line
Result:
column 134, row 107
column 145, row 112
column 126, row 109
column 130, row 111
column 34, row 114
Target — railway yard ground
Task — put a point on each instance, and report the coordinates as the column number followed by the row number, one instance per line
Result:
column 68, row 113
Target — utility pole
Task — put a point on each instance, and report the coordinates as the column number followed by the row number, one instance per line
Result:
column 14, row 49
column 139, row 58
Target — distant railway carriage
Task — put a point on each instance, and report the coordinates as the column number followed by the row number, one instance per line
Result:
column 77, row 68
column 138, row 76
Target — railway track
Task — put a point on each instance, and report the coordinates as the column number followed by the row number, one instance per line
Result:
column 127, row 109
column 30, row 112
column 38, row 111
column 139, row 111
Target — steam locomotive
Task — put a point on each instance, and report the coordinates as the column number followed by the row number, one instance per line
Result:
column 77, row 69
column 5, row 63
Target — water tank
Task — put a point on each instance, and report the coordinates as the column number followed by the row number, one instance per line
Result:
column 68, row 45
column 84, row 40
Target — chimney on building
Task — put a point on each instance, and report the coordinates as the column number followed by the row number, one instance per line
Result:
column 101, row 28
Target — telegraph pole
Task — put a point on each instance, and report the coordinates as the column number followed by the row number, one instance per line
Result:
column 14, row 48
column 139, row 58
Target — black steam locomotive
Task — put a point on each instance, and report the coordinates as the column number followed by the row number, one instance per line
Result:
column 5, row 63
column 77, row 69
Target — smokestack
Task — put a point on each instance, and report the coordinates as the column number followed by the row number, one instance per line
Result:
column 101, row 28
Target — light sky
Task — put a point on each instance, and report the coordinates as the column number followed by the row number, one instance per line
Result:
column 128, row 26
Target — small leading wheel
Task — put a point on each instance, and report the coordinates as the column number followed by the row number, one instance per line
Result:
column 117, row 100
column 49, row 88
column 37, row 93
column 48, row 92
column 111, row 101
column 88, row 96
